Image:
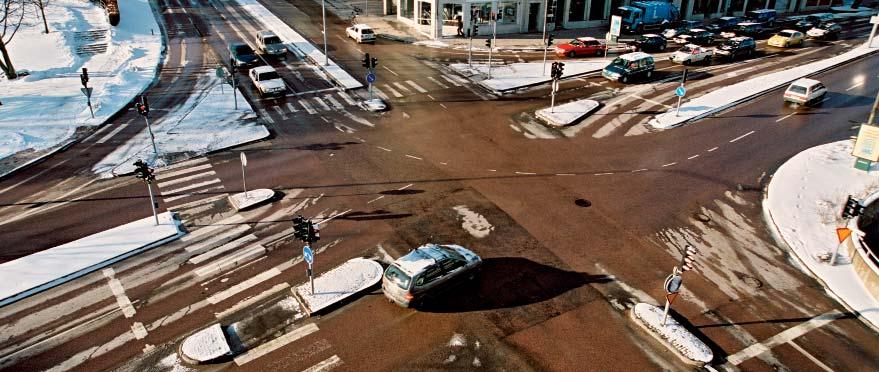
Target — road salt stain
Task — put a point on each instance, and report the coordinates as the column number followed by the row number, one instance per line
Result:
column 474, row 223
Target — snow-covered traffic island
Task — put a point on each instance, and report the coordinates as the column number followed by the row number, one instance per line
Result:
column 567, row 113
column 341, row 282
column 673, row 334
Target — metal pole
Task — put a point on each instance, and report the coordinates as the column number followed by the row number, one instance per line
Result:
column 152, row 137
column 323, row 9
column 872, row 33
column 311, row 278
column 153, row 202
column 491, row 47
column 665, row 312
column 244, row 180
column 552, row 100
column 234, row 90
column 470, row 48
column 90, row 108
column 545, row 44
column 678, row 107
column 873, row 110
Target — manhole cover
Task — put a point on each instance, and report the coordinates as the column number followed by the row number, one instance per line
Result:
column 752, row 281
column 701, row 217
column 583, row 203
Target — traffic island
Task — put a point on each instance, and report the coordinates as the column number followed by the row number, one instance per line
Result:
column 568, row 113
column 244, row 200
column 205, row 346
column 673, row 335
column 338, row 284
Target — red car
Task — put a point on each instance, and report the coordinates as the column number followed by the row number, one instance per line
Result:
column 581, row 46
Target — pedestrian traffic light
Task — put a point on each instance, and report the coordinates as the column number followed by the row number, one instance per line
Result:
column 561, row 69
column 366, row 60
column 475, row 28
column 143, row 171
column 488, row 43
column 84, row 77
column 300, row 228
column 142, row 108
column 549, row 39
column 852, row 208
column 312, row 232
column 374, row 62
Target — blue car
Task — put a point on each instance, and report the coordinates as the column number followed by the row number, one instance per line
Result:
column 242, row 55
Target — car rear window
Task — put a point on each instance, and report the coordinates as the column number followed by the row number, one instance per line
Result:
column 398, row 277
column 272, row 40
column 797, row 89
column 269, row 75
column 243, row 50
column 366, row 31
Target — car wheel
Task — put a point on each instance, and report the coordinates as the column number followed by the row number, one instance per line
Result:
column 598, row 53
column 707, row 60
column 649, row 74
column 624, row 79
column 571, row 54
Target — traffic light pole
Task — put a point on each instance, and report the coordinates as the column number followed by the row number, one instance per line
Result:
column 323, row 9
column 153, row 202
column 152, row 137
column 491, row 47
column 470, row 49
column 545, row 12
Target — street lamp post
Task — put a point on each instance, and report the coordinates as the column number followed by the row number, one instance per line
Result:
column 545, row 47
column 323, row 10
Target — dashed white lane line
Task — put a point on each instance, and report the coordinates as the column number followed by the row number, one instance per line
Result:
column 389, row 70
column 639, row 170
column 393, row 91
column 413, row 157
column 492, row 170
column 525, row 173
column 565, row 174
column 431, row 97
column 139, row 330
column 347, row 98
column 785, row 117
column 252, row 300
column 444, row 106
column 450, row 80
column 97, row 132
column 854, row 86
column 742, row 136
column 437, row 82
column 386, row 149
column 785, row 336
column 280, row 112
column 602, row 174
column 326, row 365
column 321, row 103
column 693, row 157
column 307, row 107
column 444, row 163
column 712, row 149
column 291, row 108
column 325, row 119
column 405, row 187
column 275, row 344
column 380, row 93
column 376, row 199
column 113, row 133
column 669, row 164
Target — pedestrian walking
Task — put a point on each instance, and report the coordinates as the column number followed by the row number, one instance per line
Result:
column 460, row 25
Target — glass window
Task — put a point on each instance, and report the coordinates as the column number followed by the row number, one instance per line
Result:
column 398, row 277
column 596, row 10
column 797, row 89
column 451, row 14
column 451, row 264
column 272, row 40
column 480, row 12
column 577, row 11
column 407, row 8
column 507, row 12
column 270, row 75
column 429, row 275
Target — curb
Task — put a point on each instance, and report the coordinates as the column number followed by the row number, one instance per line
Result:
column 665, row 343
column 505, row 91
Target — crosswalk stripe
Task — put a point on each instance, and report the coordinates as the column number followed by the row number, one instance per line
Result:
column 191, row 187
column 437, row 82
column 455, row 83
column 218, row 239
column 238, row 288
column 458, row 79
column 240, row 242
column 185, row 206
column 347, row 98
column 291, row 108
column 166, row 175
column 402, row 87
column 280, row 112
column 325, row 365
column 322, row 103
column 393, row 91
column 307, row 106
column 113, row 133
column 190, row 194
column 252, row 300
column 187, row 178
column 265, row 115
column 238, row 258
column 416, row 86
column 380, row 93
column 334, row 102
column 275, row 344
column 221, row 224
column 183, row 164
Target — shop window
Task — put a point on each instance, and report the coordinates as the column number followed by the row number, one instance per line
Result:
column 596, row 10
column 480, row 12
column 507, row 11
column 407, row 8
column 577, row 11
column 450, row 14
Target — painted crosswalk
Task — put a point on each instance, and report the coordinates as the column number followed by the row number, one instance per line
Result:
column 189, row 180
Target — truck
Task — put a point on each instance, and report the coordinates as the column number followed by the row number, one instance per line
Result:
column 642, row 16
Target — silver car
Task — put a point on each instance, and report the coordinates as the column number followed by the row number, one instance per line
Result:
column 428, row 270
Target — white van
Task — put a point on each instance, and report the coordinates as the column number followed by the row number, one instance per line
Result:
column 805, row 92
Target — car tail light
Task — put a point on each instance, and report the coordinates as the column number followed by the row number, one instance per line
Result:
column 408, row 296
column 694, row 52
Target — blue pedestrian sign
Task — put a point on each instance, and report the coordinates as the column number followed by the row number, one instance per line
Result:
column 308, row 254
column 681, row 91
column 370, row 78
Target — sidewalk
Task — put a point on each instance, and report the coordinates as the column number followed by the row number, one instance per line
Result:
column 803, row 204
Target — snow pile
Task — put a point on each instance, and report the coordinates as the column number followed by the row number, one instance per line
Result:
column 46, row 269
column 473, row 222
column 171, row 363
column 414, row 262
column 804, row 203
column 205, row 345
column 672, row 332
column 206, row 122
column 520, row 75
column 243, row 200
column 43, row 110
column 339, row 283
column 567, row 113
column 731, row 95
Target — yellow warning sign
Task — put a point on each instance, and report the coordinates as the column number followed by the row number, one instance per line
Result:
column 843, row 233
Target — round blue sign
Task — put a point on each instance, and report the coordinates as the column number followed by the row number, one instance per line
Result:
column 370, row 78
column 681, row 91
column 308, row 254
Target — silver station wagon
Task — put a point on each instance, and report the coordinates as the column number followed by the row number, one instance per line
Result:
column 427, row 271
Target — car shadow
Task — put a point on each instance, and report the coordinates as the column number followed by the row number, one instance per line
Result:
column 509, row 282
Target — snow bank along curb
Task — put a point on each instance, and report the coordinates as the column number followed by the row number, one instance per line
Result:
column 801, row 206
column 731, row 95
column 46, row 269
column 673, row 335
column 568, row 113
column 205, row 345
column 337, row 284
column 298, row 43
column 251, row 198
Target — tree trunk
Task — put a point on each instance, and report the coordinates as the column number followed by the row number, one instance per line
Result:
column 43, row 13
column 6, row 64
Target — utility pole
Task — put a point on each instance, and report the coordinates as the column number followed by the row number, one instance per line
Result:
column 144, row 172
column 323, row 10
column 548, row 41
column 143, row 108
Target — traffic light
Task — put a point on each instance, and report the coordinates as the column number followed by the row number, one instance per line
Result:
column 475, row 28
column 312, row 232
column 143, row 171
column 488, row 43
column 689, row 258
column 561, row 69
column 366, row 60
column 549, row 39
column 852, row 208
column 300, row 228
column 142, row 108
column 374, row 62
column 84, row 77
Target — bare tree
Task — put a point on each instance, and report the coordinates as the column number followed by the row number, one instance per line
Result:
column 11, row 15
column 41, row 5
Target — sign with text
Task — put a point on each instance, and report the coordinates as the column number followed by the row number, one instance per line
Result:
column 867, row 142
column 616, row 23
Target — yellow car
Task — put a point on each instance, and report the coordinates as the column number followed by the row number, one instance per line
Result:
column 786, row 38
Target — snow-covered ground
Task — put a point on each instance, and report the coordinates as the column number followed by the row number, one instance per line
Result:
column 250, row 198
column 43, row 110
column 205, row 122
column 804, row 203
column 567, row 113
column 205, row 345
column 520, row 75
column 672, row 332
column 475, row 223
column 45, row 269
column 339, row 283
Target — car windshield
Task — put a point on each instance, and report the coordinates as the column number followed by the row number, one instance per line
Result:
column 398, row 277
column 625, row 13
column 797, row 89
column 366, row 31
column 272, row 40
column 269, row 75
column 243, row 50
column 686, row 49
column 452, row 252
column 785, row 34
column 731, row 43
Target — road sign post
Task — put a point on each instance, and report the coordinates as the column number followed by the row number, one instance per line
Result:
column 675, row 281
column 308, row 254
column 875, row 21
column 244, row 179
column 370, row 78
column 843, row 233
column 680, row 92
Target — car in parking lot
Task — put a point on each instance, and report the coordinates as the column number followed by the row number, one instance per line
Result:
column 813, row 20
column 752, row 29
column 242, row 55
column 805, row 92
column 825, row 31
column 692, row 53
column 786, row 38
column 696, row 36
column 361, row 33
column 649, row 42
column 722, row 24
column 736, row 47
column 581, row 46
column 428, row 271
column 267, row 81
column 789, row 22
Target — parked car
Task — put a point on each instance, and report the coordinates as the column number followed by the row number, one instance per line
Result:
column 755, row 30
column 723, row 24
column 267, row 81
column 736, row 47
column 786, row 38
column 696, row 36
column 813, row 20
column 805, row 92
column 640, row 16
column 789, row 22
column 649, row 42
column 581, row 46
column 241, row 55
column 427, row 271
column 825, row 31
column 692, row 53
column 374, row 105
column 629, row 66
column 361, row 33
column 269, row 43
column 766, row 17
column 683, row 27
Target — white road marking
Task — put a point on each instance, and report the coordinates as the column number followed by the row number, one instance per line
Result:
column 291, row 108
column 854, row 86
column 401, row 87
column 184, row 164
column 239, row 260
column 437, row 82
column 380, row 93
column 219, row 225
column 324, row 119
column 669, row 164
column 138, row 330
column 111, row 134
column 413, row 157
column 347, row 98
column 165, row 175
column 639, row 170
column 325, row 365
column 240, row 287
column 97, row 132
column 280, row 112
column 444, row 163
column 742, row 136
column 492, row 170
column 275, row 344
column 525, row 173
column 383, row 148
column 187, row 205
column 565, row 174
column 810, row 356
column 783, row 337
column 650, row 100
column 226, row 235
column 240, row 242
column 444, row 106
column 693, row 157
column 307, row 106
column 118, row 291
column 187, row 178
column 393, row 91
column 334, row 102
column 265, row 115
column 405, row 187
column 431, row 97
column 321, row 103
column 168, row 199
column 375, row 200
column 712, row 149
column 602, row 174
column 416, row 86
column 252, row 300
column 191, row 187
column 455, row 83
column 785, row 117
column 389, row 70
